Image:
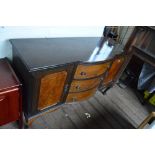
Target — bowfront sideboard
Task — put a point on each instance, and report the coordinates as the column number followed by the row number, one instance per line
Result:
column 56, row 71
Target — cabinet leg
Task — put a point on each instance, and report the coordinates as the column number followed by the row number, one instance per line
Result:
column 21, row 124
column 104, row 91
column 26, row 124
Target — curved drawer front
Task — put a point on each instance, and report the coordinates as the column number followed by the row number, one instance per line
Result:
column 115, row 68
column 82, row 85
column 90, row 71
column 75, row 97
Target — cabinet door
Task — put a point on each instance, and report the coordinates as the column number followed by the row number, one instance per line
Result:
column 51, row 89
column 114, row 70
column 9, row 106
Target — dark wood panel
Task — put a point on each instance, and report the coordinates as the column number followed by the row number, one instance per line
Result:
column 89, row 71
column 39, row 52
column 51, row 89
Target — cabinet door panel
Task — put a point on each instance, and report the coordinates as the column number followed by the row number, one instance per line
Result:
column 51, row 89
column 115, row 68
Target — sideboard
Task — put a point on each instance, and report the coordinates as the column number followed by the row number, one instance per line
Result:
column 55, row 71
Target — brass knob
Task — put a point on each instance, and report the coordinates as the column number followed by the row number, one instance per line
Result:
column 77, row 87
column 83, row 73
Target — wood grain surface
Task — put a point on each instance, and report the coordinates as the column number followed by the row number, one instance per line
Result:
column 74, row 97
column 51, row 89
column 114, row 69
column 81, row 85
column 9, row 106
column 89, row 71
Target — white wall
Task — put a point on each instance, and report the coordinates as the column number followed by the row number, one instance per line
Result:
column 7, row 33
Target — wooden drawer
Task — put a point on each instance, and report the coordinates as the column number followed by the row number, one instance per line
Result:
column 114, row 70
column 84, row 71
column 75, row 97
column 82, row 85
column 9, row 106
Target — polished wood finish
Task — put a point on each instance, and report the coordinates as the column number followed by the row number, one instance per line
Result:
column 82, row 85
column 10, row 95
column 89, row 71
column 114, row 70
column 51, row 89
column 40, row 52
column 9, row 106
column 62, row 66
column 74, row 97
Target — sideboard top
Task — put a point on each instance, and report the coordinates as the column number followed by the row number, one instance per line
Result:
column 42, row 52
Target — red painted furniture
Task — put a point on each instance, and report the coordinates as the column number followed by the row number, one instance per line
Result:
column 10, row 95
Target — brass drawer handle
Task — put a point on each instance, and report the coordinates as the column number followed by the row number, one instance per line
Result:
column 77, row 87
column 83, row 73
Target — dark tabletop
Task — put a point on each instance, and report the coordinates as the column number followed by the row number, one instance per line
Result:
column 43, row 52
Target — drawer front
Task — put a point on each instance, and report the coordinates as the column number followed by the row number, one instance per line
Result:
column 75, row 97
column 115, row 68
column 82, row 85
column 51, row 89
column 90, row 71
column 9, row 107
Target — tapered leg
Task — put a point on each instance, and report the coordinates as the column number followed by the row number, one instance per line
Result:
column 21, row 121
column 105, row 90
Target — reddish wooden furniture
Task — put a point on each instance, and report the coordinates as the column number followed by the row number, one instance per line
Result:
column 10, row 95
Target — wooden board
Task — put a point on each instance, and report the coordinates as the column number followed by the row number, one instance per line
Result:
column 51, row 89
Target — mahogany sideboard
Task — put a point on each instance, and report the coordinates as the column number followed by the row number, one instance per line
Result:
column 10, row 95
column 55, row 71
